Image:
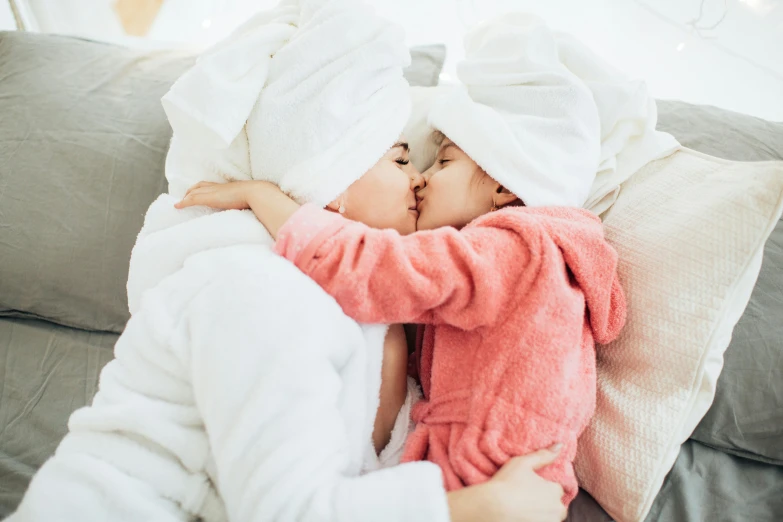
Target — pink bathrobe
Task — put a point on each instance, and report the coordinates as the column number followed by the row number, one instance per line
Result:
column 512, row 306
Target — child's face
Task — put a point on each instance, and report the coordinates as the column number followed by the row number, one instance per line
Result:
column 457, row 190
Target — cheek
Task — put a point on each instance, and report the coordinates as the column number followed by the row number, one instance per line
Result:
column 449, row 190
column 395, row 190
column 380, row 198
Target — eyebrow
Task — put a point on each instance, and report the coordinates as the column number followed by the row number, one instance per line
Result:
column 446, row 146
column 402, row 144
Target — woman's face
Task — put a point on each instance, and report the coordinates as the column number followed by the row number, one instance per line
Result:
column 385, row 197
column 457, row 190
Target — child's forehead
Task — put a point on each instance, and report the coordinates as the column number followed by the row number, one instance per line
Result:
column 448, row 144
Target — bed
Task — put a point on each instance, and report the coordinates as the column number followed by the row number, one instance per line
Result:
column 73, row 192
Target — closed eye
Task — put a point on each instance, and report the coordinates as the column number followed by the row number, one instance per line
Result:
column 443, row 161
column 402, row 161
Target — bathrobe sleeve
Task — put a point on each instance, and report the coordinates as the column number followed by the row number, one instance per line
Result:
column 464, row 278
column 264, row 363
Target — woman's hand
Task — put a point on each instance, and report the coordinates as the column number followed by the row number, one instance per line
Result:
column 515, row 494
column 271, row 205
column 233, row 195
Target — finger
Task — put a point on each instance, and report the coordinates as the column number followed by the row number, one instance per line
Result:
column 542, row 458
column 197, row 186
column 192, row 199
column 187, row 201
column 192, row 187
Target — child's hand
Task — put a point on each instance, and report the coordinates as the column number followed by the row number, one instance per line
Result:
column 225, row 196
column 271, row 206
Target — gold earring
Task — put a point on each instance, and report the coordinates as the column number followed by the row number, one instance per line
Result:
column 494, row 207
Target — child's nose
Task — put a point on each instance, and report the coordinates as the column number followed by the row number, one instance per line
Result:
column 426, row 175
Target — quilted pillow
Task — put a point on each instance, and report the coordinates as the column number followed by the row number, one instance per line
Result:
column 690, row 231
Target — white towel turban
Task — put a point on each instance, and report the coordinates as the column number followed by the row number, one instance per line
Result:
column 308, row 95
column 521, row 115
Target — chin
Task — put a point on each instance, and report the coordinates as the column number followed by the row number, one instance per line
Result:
column 422, row 224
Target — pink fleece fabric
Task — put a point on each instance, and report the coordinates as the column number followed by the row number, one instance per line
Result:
column 512, row 306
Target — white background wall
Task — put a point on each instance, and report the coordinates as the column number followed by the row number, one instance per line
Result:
column 6, row 18
column 737, row 65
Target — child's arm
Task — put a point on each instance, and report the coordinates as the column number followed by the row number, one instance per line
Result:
column 463, row 278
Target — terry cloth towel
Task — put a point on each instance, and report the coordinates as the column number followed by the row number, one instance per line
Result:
column 240, row 390
column 512, row 304
column 541, row 127
column 288, row 97
column 628, row 115
column 521, row 115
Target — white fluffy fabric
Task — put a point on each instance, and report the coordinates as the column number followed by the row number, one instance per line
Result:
column 628, row 115
column 521, row 115
column 308, row 95
column 525, row 112
column 240, row 391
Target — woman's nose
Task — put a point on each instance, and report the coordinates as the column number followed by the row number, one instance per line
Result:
column 417, row 180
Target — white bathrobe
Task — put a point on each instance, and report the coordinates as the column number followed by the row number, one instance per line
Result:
column 240, row 391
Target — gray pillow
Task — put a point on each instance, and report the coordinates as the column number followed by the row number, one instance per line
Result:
column 83, row 140
column 707, row 485
column 48, row 372
column 746, row 417
column 426, row 65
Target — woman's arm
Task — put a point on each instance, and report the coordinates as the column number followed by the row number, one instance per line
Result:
column 515, row 494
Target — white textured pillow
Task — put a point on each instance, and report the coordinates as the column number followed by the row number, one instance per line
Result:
column 690, row 231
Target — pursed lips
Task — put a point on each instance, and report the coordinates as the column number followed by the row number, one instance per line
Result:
column 414, row 207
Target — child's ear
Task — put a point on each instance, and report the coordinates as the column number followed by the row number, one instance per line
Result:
column 503, row 197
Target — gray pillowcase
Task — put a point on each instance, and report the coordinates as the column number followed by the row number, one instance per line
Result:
column 83, row 141
column 746, row 418
column 48, row 372
column 426, row 65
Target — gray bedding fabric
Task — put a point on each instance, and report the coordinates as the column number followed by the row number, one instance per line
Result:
column 83, row 141
column 721, row 133
column 426, row 65
column 706, row 485
column 47, row 372
column 712, row 486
